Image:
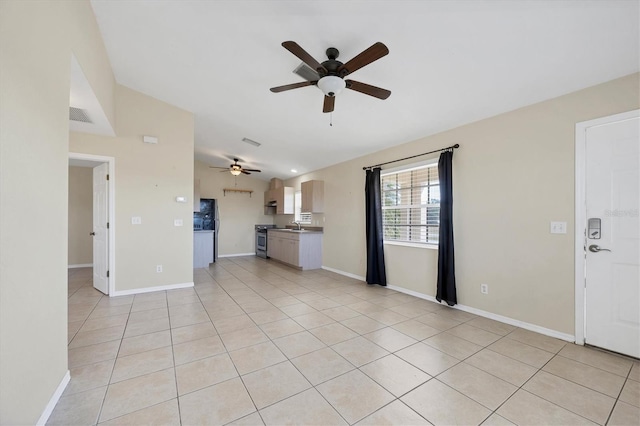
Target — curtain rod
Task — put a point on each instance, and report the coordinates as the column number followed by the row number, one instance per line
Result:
column 413, row 156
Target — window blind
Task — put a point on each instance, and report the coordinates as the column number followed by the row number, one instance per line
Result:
column 411, row 204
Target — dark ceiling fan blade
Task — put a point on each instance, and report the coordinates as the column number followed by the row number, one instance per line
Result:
column 302, row 54
column 292, row 86
column 375, row 52
column 253, row 170
column 329, row 102
column 367, row 89
column 216, row 167
column 245, row 172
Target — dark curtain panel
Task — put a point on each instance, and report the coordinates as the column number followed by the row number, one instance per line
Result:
column 446, row 287
column 376, row 273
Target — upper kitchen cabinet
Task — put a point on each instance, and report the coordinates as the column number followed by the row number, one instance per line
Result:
column 196, row 195
column 312, row 196
column 279, row 201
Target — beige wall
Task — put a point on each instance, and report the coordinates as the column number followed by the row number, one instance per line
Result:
column 148, row 178
column 36, row 41
column 80, row 216
column 513, row 174
column 239, row 212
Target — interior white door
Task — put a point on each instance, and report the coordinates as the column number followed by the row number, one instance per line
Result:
column 100, row 228
column 612, row 256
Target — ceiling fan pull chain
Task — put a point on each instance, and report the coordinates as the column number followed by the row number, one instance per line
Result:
column 331, row 119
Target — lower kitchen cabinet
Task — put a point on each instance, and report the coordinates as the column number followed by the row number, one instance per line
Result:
column 302, row 250
column 202, row 249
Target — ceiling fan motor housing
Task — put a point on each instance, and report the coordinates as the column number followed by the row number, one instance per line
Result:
column 331, row 82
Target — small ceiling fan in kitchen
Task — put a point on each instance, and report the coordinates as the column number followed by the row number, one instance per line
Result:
column 236, row 168
column 331, row 73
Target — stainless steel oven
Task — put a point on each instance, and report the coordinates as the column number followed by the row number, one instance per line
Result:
column 261, row 239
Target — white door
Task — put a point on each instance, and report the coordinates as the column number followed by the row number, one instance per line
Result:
column 100, row 228
column 612, row 255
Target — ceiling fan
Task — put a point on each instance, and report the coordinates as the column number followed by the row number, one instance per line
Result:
column 331, row 73
column 236, row 168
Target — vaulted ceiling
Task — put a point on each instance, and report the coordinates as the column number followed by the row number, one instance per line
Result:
column 450, row 63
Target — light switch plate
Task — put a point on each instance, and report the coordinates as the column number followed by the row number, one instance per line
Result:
column 558, row 228
column 136, row 220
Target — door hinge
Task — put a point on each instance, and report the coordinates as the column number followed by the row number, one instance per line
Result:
column 107, row 177
column 107, row 225
column 107, row 274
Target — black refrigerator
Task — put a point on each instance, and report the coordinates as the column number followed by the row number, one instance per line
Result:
column 208, row 219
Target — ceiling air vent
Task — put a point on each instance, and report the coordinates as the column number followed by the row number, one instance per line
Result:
column 251, row 142
column 78, row 114
column 306, row 72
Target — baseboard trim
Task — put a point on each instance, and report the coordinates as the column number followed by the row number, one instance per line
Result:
column 54, row 399
column 517, row 323
column 346, row 274
column 490, row 315
column 236, row 255
column 81, row 265
column 151, row 289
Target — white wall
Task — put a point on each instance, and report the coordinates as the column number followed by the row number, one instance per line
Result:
column 148, row 178
column 513, row 175
column 80, row 250
column 239, row 212
column 36, row 42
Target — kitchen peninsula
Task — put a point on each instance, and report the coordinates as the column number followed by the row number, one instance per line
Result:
column 298, row 248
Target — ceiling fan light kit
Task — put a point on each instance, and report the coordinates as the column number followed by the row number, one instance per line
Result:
column 331, row 85
column 331, row 73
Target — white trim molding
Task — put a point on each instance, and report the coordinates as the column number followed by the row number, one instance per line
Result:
column 151, row 289
column 490, row 315
column 479, row 312
column 81, row 265
column 346, row 274
column 580, row 214
column 54, row 399
column 236, row 255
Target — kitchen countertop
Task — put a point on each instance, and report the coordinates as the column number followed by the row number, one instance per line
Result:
column 294, row 231
column 202, row 230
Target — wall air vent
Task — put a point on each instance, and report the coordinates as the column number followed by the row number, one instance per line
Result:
column 306, row 72
column 78, row 114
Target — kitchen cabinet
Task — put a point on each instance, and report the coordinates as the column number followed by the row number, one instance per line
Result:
column 196, row 195
column 202, row 249
column 302, row 250
column 312, row 196
column 279, row 201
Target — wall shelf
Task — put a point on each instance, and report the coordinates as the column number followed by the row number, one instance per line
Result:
column 246, row 191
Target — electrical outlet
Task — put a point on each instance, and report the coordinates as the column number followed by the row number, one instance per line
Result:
column 158, row 268
column 177, row 222
column 484, row 288
column 136, row 220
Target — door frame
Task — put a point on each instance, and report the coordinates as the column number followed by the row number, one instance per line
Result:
column 111, row 214
column 581, row 214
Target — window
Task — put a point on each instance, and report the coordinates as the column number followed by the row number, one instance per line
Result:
column 411, row 204
column 300, row 217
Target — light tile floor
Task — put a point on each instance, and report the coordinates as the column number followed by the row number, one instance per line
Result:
column 256, row 343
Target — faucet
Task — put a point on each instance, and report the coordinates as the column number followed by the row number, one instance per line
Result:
column 297, row 223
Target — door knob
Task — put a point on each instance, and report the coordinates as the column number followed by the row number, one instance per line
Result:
column 594, row 248
column 92, row 233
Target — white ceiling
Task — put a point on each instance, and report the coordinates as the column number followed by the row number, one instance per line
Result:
column 450, row 63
